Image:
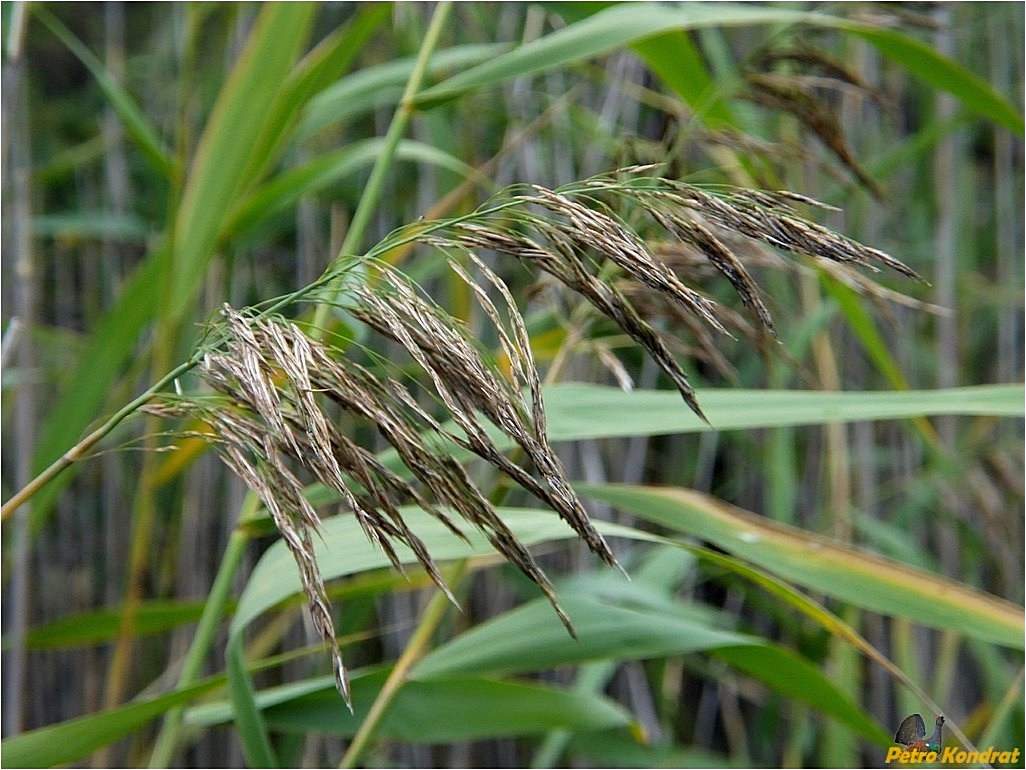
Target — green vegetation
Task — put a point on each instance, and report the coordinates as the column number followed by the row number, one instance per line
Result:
column 462, row 267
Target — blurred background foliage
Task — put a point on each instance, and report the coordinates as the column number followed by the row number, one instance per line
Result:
column 162, row 159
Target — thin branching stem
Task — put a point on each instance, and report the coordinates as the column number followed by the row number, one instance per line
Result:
column 76, row 452
column 79, row 450
column 269, row 424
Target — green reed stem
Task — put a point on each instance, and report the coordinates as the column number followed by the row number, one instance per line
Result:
column 429, row 622
column 427, row 626
column 213, row 611
column 214, row 608
column 78, row 451
column 386, row 159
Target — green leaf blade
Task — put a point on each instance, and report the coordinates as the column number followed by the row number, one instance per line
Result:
column 572, row 408
column 71, row 741
column 836, row 569
column 243, row 121
column 136, row 124
column 925, row 63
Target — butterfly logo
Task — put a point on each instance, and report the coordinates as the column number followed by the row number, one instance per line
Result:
column 912, row 733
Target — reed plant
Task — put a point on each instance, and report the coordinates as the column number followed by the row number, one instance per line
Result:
column 773, row 560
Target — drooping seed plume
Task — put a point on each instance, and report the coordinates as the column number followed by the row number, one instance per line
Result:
column 282, row 394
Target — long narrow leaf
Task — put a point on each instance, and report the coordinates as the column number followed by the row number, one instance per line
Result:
column 626, row 24
column 572, row 408
column 256, row 744
column 289, row 186
column 923, row 62
column 382, row 85
column 343, row 549
column 136, row 124
column 239, row 126
column 102, row 625
column 317, row 70
column 525, row 639
column 439, row 711
column 827, row 566
column 605, row 31
column 73, row 740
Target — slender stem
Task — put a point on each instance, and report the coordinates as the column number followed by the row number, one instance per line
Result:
column 76, row 452
column 415, row 648
column 355, row 234
column 168, row 738
column 144, row 515
column 29, row 490
column 213, row 610
column 26, row 281
column 1001, row 712
column 383, row 163
column 214, row 607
